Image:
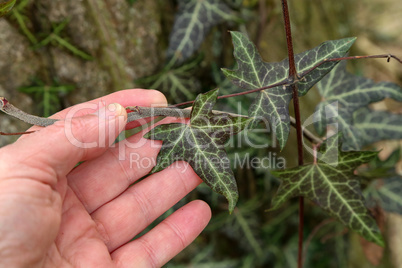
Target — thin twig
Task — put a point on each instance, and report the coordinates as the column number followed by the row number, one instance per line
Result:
column 15, row 133
column 282, row 83
column 306, row 133
column 6, row 107
column 299, row 77
column 136, row 114
column 143, row 112
column 381, row 56
column 10, row 109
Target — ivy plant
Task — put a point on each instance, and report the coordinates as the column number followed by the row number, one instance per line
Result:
column 333, row 180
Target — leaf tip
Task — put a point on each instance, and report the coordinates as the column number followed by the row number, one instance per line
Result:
column 232, row 205
column 350, row 41
column 147, row 135
column 156, row 169
column 381, row 241
column 232, row 198
column 228, row 73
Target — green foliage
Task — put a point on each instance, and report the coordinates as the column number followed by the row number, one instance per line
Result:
column 386, row 190
column 193, row 21
column 6, row 7
column 47, row 97
column 378, row 168
column 330, row 181
column 346, row 98
column 18, row 14
column 335, row 189
column 179, row 83
column 250, row 236
column 272, row 104
column 332, row 185
column 370, row 126
column 387, row 193
column 201, row 144
column 54, row 38
column 131, row 2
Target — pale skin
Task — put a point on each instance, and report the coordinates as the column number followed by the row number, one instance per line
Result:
column 55, row 215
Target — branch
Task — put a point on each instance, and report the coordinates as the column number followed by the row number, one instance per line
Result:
column 299, row 77
column 306, row 133
column 136, row 114
column 10, row 109
column 381, row 56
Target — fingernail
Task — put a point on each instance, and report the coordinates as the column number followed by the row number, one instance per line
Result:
column 112, row 110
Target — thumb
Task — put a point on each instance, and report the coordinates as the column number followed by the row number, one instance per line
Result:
column 56, row 149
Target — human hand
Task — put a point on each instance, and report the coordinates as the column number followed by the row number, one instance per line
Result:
column 55, row 215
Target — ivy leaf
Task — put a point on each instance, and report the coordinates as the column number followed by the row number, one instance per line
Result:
column 201, row 144
column 381, row 168
column 371, row 126
column 6, row 7
column 179, row 83
column 332, row 185
column 387, row 193
column 193, row 21
column 272, row 104
column 345, row 96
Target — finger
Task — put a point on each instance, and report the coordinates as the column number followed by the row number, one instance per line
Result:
column 167, row 239
column 127, row 215
column 100, row 180
column 51, row 153
column 129, row 97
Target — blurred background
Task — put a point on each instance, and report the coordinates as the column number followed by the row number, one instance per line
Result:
column 56, row 53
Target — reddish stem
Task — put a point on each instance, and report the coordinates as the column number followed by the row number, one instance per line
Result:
column 283, row 83
column 291, row 56
column 15, row 133
column 382, row 56
column 293, row 77
column 288, row 82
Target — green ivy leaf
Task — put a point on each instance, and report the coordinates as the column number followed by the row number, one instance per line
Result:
column 387, row 193
column 381, row 168
column 371, row 126
column 345, row 96
column 272, row 104
column 192, row 23
column 332, row 185
column 179, row 84
column 201, row 144
column 6, row 7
